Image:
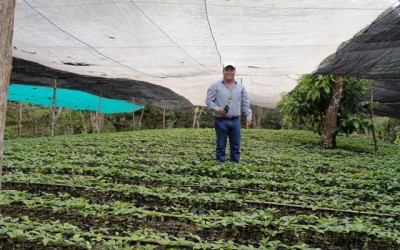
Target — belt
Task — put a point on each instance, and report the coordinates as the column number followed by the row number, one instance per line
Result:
column 228, row 118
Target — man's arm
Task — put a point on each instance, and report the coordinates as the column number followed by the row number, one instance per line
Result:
column 246, row 107
column 210, row 99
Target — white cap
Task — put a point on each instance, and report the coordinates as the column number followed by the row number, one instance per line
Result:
column 229, row 64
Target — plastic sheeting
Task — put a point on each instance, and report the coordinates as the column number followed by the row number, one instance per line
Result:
column 374, row 54
column 181, row 44
column 72, row 99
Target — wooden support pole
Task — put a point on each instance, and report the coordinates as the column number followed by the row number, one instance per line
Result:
column 54, row 109
column 163, row 119
column 133, row 113
column 19, row 127
column 7, row 9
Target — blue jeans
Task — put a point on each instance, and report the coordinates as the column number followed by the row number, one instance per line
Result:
column 224, row 129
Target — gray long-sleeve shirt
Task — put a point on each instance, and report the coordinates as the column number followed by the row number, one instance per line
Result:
column 219, row 95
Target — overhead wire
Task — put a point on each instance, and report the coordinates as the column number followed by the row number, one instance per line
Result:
column 230, row 5
column 169, row 37
column 211, row 32
column 79, row 40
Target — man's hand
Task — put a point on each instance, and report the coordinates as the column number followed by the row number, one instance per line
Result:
column 222, row 112
column 248, row 123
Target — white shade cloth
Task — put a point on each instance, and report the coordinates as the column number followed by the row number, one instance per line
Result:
column 182, row 44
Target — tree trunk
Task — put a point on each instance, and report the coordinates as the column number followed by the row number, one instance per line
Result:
column 97, row 122
column 163, row 119
column 259, row 116
column 101, row 120
column 196, row 110
column 199, row 116
column 93, row 122
column 117, row 123
column 140, row 119
column 7, row 8
column 84, row 131
column 328, row 137
column 71, row 123
column 56, row 113
column 372, row 118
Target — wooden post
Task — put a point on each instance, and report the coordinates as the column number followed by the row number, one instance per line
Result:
column 98, row 112
column 19, row 127
column 54, row 112
column 53, row 109
column 133, row 113
column 163, row 119
column 7, row 9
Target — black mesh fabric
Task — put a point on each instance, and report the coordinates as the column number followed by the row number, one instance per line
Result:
column 374, row 54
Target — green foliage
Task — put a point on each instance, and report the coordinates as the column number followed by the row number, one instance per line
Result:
column 36, row 120
column 397, row 141
column 308, row 102
column 266, row 118
column 390, row 129
column 162, row 188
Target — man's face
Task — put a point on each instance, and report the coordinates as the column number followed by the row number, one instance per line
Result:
column 229, row 73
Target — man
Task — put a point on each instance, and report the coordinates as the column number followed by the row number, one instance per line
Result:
column 227, row 98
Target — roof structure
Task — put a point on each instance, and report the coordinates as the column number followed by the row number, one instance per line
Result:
column 167, row 52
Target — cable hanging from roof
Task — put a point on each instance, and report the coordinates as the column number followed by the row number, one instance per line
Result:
column 170, row 38
column 212, row 33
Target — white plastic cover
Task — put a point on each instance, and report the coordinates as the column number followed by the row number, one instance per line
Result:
column 182, row 44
